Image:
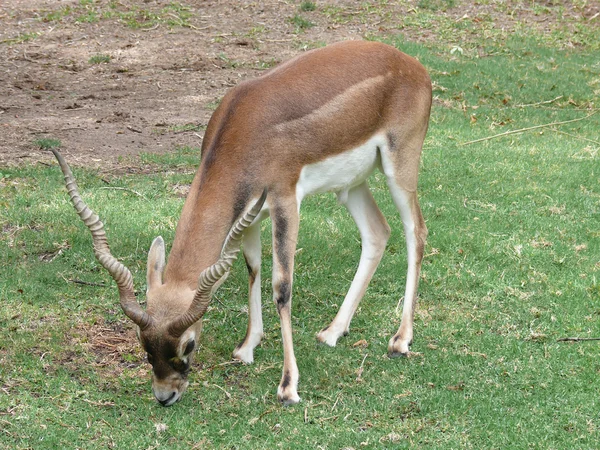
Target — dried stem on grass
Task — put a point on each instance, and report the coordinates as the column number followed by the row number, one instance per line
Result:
column 87, row 283
column 577, row 339
column 522, row 130
column 125, row 189
column 359, row 372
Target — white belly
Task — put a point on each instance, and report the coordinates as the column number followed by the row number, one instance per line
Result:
column 341, row 172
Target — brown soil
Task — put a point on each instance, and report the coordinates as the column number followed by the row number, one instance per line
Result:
column 163, row 76
column 157, row 80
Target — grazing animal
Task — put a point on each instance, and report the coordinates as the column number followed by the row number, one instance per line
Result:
column 321, row 122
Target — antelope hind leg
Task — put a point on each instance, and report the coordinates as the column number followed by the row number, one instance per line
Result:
column 374, row 233
column 416, row 235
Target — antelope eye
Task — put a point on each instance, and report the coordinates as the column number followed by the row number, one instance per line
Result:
column 180, row 366
column 189, row 347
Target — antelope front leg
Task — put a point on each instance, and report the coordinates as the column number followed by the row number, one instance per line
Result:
column 285, row 234
column 252, row 253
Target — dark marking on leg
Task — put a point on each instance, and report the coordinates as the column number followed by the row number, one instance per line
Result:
column 251, row 273
column 284, row 294
column 286, row 380
column 326, row 328
column 281, row 235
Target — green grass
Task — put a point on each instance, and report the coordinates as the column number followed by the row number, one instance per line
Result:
column 22, row 37
column 134, row 16
column 99, row 59
column 308, row 6
column 512, row 265
column 182, row 157
column 47, row 143
column 300, row 22
column 436, row 5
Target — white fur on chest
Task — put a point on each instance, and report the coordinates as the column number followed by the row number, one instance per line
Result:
column 341, row 172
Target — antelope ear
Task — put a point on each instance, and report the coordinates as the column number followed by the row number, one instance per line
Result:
column 187, row 344
column 156, row 263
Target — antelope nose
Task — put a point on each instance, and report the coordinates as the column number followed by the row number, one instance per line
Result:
column 166, row 401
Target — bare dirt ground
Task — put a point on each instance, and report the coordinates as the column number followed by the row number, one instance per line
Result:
column 157, row 81
column 169, row 64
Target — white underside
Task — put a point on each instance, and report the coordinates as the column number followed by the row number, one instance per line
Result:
column 341, row 172
column 338, row 173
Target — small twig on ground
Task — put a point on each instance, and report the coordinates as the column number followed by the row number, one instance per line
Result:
column 268, row 411
column 577, row 339
column 125, row 189
column 539, row 103
column 105, row 344
column 226, row 393
column 521, row 130
column 52, row 131
column 6, row 422
column 179, row 21
column 199, row 28
column 575, row 136
column 338, row 398
column 151, row 29
column 107, row 403
column 328, row 418
column 87, row 283
column 113, row 337
column 227, row 363
column 67, row 129
column 135, row 130
column 360, row 369
column 26, row 58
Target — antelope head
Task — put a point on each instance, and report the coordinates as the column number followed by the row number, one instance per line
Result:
column 170, row 327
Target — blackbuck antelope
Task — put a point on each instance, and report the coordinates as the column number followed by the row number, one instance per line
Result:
column 321, row 122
